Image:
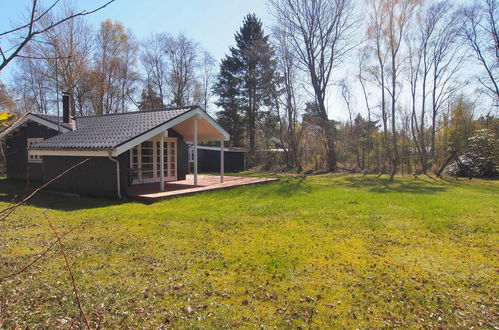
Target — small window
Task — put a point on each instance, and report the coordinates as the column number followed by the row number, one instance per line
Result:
column 33, row 158
column 191, row 154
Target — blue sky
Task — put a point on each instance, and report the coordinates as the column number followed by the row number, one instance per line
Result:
column 212, row 23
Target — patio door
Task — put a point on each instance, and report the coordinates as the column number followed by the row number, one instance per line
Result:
column 145, row 161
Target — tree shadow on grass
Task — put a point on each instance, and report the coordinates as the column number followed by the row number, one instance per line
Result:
column 14, row 191
column 288, row 187
column 384, row 185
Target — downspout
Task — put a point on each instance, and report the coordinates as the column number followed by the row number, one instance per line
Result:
column 117, row 172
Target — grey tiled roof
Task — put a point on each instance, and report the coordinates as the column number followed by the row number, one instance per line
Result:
column 52, row 118
column 110, row 131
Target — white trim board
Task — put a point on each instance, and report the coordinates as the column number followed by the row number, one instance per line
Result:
column 227, row 149
column 82, row 153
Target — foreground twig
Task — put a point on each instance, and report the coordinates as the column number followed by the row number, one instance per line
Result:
column 68, row 266
column 32, row 31
column 40, row 256
column 8, row 211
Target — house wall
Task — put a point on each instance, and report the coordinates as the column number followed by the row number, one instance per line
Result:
column 182, row 154
column 16, row 155
column 96, row 177
column 209, row 161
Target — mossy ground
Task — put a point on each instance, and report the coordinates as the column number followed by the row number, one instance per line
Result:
column 314, row 251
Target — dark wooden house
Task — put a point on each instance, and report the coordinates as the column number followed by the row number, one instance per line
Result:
column 26, row 131
column 116, row 151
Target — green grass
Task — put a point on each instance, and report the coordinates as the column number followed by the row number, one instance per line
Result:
column 315, row 251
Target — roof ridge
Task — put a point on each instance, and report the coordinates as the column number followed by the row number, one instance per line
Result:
column 190, row 107
column 42, row 114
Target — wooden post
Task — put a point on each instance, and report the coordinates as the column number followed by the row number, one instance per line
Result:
column 222, row 161
column 162, row 162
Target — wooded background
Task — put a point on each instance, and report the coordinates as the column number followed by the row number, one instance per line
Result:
column 426, row 79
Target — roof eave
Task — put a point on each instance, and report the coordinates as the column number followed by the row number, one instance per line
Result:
column 74, row 152
column 33, row 117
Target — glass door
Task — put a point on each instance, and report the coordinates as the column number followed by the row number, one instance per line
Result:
column 145, row 161
column 170, row 159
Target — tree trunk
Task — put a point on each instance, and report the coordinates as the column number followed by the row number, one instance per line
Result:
column 328, row 131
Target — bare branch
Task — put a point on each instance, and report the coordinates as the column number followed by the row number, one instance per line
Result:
column 39, row 257
column 32, row 32
column 9, row 210
column 68, row 266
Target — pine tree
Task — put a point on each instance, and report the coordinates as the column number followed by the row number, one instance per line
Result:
column 227, row 88
column 149, row 99
column 244, row 84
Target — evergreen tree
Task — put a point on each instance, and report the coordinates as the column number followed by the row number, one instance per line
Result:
column 227, row 88
column 244, row 84
column 149, row 99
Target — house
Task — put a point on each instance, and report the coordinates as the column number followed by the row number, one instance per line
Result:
column 26, row 131
column 116, row 151
column 209, row 159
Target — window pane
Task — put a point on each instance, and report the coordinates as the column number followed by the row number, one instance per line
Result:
column 147, row 175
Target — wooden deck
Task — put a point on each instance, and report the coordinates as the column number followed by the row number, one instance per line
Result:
column 149, row 192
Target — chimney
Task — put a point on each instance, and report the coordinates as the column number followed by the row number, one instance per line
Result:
column 66, row 118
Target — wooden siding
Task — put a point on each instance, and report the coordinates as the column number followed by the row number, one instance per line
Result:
column 209, row 161
column 96, row 177
column 16, row 155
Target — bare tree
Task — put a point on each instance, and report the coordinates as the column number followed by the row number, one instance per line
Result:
column 362, row 58
column 289, row 98
column 480, row 32
column 25, row 33
column 154, row 60
column 178, row 70
column 183, row 59
column 207, row 76
column 115, row 74
column 6, row 100
column 346, row 94
column 389, row 20
column 320, row 34
column 64, row 52
column 435, row 56
column 32, row 86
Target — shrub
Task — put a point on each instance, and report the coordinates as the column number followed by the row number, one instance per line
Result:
column 480, row 158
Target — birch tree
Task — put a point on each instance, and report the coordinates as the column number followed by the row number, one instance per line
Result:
column 389, row 21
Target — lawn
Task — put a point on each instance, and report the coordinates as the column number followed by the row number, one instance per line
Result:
column 313, row 251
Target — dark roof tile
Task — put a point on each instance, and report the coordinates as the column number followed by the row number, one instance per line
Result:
column 110, row 131
column 53, row 119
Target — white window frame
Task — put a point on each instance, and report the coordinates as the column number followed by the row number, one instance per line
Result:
column 33, row 158
column 171, row 173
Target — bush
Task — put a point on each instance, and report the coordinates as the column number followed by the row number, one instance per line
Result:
column 480, row 158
